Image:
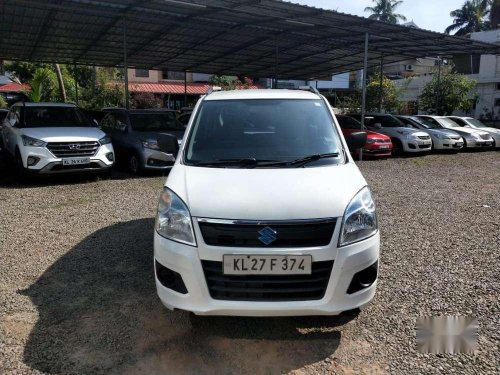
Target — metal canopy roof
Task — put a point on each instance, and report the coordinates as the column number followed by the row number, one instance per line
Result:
column 255, row 37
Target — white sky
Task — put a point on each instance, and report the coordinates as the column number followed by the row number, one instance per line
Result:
column 427, row 14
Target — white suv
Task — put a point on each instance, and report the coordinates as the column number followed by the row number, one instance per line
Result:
column 55, row 138
column 265, row 212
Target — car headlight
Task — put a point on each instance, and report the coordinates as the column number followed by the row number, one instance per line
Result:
column 105, row 140
column 403, row 132
column 173, row 220
column 153, row 145
column 476, row 136
column 443, row 136
column 360, row 218
column 370, row 140
column 33, row 142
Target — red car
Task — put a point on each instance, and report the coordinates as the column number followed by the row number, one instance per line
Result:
column 377, row 144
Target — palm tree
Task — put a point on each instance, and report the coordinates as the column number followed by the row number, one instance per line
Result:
column 470, row 17
column 384, row 11
column 495, row 14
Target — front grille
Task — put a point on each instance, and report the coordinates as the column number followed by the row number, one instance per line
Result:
column 73, row 149
column 424, row 137
column 424, row 146
column 267, row 287
column 386, row 140
column 485, row 136
column 288, row 234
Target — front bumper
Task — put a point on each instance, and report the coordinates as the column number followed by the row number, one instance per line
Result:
column 157, row 160
column 377, row 149
column 49, row 164
column 186, row 261
column 447, row 144
column 417, row 145
column 479, row 143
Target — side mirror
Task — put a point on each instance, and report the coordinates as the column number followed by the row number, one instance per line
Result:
column 356, row 140
column 168, row 143
column 377, row 125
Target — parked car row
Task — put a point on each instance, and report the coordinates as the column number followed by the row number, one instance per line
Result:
column 50, row 138
column 389, row 134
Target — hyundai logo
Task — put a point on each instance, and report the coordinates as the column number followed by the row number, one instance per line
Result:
column 267, row 235
column 74, row 146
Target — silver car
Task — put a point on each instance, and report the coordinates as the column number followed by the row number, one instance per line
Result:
column 469, row 122
column 473, row 138
column 442, row 139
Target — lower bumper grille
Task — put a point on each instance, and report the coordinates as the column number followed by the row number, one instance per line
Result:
column 73, row 149
column 265, row 288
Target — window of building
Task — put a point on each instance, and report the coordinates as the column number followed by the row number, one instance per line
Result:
column 174, row 76
column 142, row 73
column 497, row 102
column 498, row 86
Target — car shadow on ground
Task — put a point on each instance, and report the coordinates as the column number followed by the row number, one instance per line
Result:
column 9, row 177
column 99, row 313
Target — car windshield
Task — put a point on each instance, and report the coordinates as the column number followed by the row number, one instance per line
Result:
column 281, row 130
column 387, row 121
column 424, row 123
column 448, row 123
column 51, row 116
column 155, row 122
column 347, row 122
column 476, row 123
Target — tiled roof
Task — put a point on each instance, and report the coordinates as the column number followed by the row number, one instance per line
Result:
column 174, row 87
column 14, row 87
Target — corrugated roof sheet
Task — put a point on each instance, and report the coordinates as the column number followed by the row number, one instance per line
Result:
column 14, row 87
column 258, row 38
column 174, row 87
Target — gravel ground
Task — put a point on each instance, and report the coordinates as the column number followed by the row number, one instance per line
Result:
column 77, row 291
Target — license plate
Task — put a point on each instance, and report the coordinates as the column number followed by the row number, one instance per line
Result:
column 75, row 161
column 459, row 144
column 384, row 147
column 267, row 264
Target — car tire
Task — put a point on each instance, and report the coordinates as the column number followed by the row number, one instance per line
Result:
column 134, row 163
column 397, row 147
column 19, row 166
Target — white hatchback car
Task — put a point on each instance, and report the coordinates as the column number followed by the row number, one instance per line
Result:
column 50, row 138
column 265, row 212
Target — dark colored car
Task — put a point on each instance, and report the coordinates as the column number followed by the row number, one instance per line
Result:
column 145, row 139
column 184, row 118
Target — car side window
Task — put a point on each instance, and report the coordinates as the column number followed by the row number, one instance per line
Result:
column 120, row 122
column 459, row 121
column 14, row 117
column 105, row 123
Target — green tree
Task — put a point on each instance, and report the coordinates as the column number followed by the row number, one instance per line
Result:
column 495, row 14
column 471, row 17
column 453, row 92
column 3, row 102
column 390, row 102
column 384, row 10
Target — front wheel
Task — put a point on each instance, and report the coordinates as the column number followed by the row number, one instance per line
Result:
column 397, row 147
column 134, row 164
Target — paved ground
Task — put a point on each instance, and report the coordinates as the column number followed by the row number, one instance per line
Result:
column 77, row 291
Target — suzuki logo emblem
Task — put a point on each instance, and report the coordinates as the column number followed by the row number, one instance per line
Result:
column 74, row 146
column 267, row 235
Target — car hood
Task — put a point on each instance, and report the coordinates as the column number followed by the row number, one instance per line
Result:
column 154, row 135
column 60, row 134
column 466, row 131
column 394, row 132
column 266, row 194
column 372, row 134
column 440, row 131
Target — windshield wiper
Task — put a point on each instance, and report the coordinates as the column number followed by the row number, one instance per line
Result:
column 307, row 159
column 250, row 162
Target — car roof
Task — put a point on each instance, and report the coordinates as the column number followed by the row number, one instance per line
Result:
column 261, row 94
column 31, row 104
